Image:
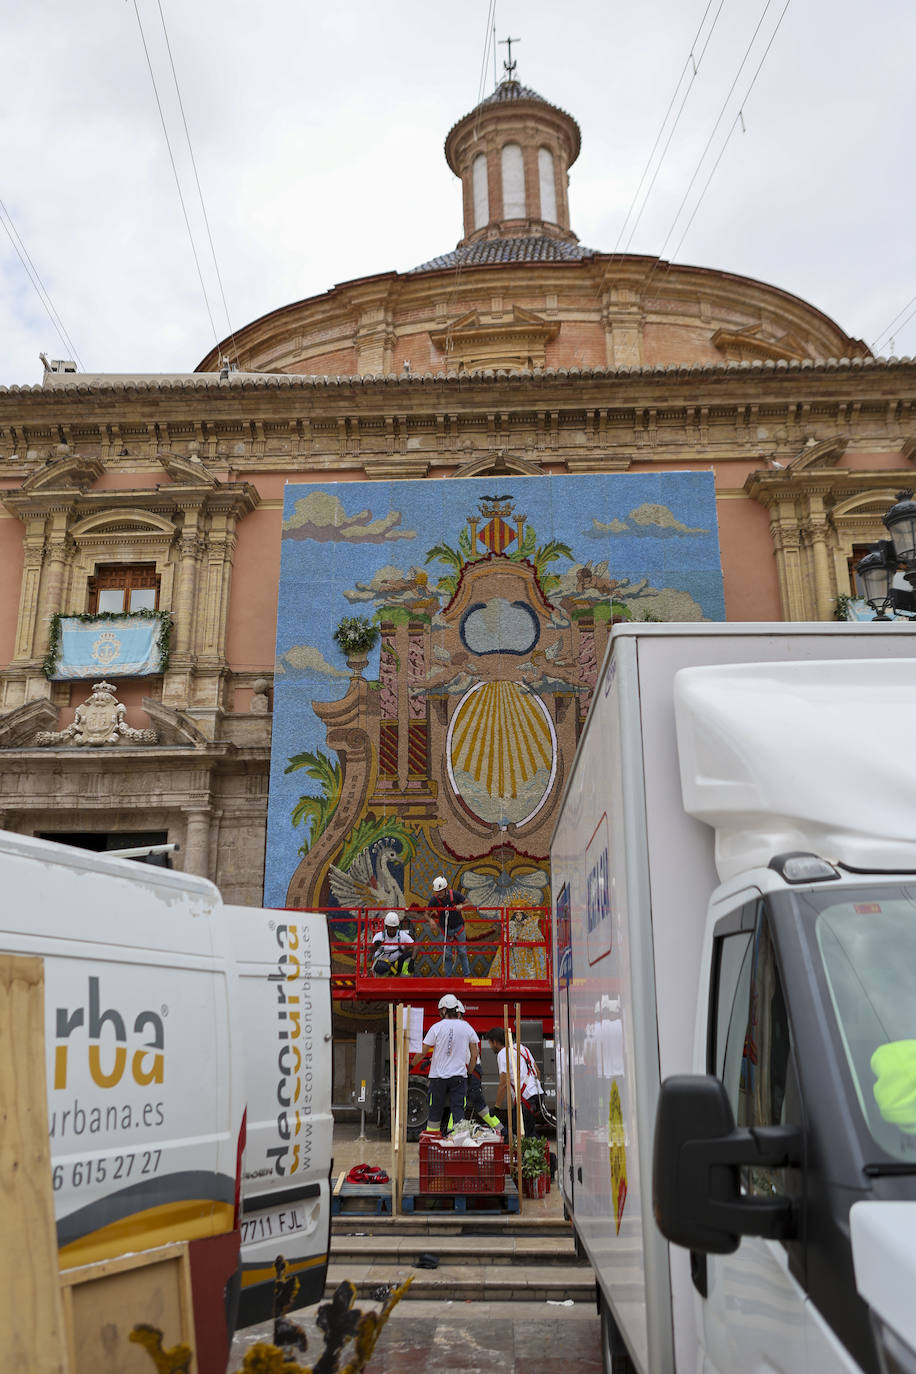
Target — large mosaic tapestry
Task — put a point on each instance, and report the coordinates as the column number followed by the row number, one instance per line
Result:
column 445, row 746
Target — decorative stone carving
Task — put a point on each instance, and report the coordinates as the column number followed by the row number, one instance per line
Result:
column 260, row 704
column 99, row 720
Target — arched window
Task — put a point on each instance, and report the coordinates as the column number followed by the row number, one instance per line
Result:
column 548, row 185
column 481, row 192
column 513, row 182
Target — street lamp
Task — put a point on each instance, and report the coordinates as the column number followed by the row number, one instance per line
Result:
column 878, row 569
column 901, row 526
column 876, row 574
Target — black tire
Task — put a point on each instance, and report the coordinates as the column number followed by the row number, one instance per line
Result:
column 614, row 1356
column 417, row 1106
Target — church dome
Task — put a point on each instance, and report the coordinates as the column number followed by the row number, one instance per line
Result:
column 520, row 293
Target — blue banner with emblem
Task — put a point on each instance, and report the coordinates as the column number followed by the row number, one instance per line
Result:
column 127, row 646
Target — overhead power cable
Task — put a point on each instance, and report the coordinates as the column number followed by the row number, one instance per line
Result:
column 719, row 119
column 200, row 194
column 887, row 332
column 489, row 37
column 168, row 144
column 41, row 290
column 695, row 62
column 739, row 118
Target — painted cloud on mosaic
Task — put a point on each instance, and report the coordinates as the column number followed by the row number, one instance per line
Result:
column 322, row 517
column 305, row 658
column 649, row 518
column 391, row 585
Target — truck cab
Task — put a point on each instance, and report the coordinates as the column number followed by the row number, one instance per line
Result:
column 789, row 1159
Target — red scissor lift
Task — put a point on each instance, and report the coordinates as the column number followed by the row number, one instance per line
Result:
column 510, row 964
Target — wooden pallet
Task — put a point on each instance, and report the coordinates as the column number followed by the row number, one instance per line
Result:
column 493, row 1204
column 369, row 1198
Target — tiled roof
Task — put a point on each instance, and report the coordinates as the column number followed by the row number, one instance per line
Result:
column 511, row 90
column 487, row 251
column 264, row 381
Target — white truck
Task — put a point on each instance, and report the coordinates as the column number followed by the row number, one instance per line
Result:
column 188, row 1074
column 734, row 886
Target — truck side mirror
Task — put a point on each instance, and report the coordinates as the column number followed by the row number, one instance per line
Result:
column 696, row 1165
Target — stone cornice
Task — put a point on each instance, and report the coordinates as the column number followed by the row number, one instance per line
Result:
column 237, row 386
column 843, row 484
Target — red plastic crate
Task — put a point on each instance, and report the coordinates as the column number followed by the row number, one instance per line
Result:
column 462, row 1168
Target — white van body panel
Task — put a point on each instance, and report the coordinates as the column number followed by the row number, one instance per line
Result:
column 283, row 962
column 883, row 1245
column 145, row 1096
column 644, row 991
column 170, row 1019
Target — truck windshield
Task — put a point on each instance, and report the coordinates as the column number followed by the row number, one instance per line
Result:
column 867, row 947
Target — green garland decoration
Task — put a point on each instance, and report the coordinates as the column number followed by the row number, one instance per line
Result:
column 52, row 657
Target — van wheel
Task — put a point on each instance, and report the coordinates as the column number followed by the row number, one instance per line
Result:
column 417, row 1106
column 614, row 1356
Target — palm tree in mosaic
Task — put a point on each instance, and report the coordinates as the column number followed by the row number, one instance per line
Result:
column 316, row 811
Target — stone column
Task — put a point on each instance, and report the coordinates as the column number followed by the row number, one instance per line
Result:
column 197, row 843
column 58, row 552
column 823, row 595
column 190, row 548
column 29, row 594
column 794, row 607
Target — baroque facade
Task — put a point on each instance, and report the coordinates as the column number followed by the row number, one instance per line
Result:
column 519, row 353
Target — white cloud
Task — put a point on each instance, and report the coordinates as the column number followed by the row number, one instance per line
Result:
column 650, row 513
column 321, row 516
column 306, row 658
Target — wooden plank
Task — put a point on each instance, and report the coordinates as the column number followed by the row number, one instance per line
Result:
column 507, row 1042
column 518, row 1094
column 404, row 1068
column 109, row 1299
column 392, row 1167
column 31, row 1310
column 396, row 1070
column 340, row 1181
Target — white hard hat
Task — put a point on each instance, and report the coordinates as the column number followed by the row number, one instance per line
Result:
column 439, row 884
column 460, row 1007
column 392, row 918
column 449, row 1002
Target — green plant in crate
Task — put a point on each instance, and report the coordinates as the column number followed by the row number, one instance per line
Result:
column 534, row 1157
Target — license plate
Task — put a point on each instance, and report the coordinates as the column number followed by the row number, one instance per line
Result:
column 286, row 1221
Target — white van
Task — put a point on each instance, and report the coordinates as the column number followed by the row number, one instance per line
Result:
column 163, row 1022
column 283, row 966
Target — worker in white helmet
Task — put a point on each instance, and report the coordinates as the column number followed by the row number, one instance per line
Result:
column 445, row 912
column 454, row 1046
column 391, row 948
column 475, row 1103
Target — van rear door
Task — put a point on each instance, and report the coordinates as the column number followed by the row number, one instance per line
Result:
column 283, row 965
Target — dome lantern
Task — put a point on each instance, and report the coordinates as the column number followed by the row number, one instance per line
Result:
column 512, row 154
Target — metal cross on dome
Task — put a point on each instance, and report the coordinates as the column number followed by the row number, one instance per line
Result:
column 509, row 66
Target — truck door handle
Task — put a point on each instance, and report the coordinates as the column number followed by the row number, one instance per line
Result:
column 579, row 1173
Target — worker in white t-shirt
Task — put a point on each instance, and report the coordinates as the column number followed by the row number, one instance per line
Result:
column 454, row 1047
column 391, row 949
column 531, row 1079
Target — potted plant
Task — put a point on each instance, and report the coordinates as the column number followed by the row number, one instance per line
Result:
column 535, row 1166
column 356, row 636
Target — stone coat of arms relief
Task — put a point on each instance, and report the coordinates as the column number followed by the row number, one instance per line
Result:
column 98, row 721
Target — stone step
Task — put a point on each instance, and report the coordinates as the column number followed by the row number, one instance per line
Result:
column 449, row 1224
column 512, row 1282
column 452, row 1249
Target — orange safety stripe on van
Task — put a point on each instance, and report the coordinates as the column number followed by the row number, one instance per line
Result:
column 259, row 1273
column 173, row 1221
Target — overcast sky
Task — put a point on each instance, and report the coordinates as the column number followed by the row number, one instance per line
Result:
column 318, row 129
